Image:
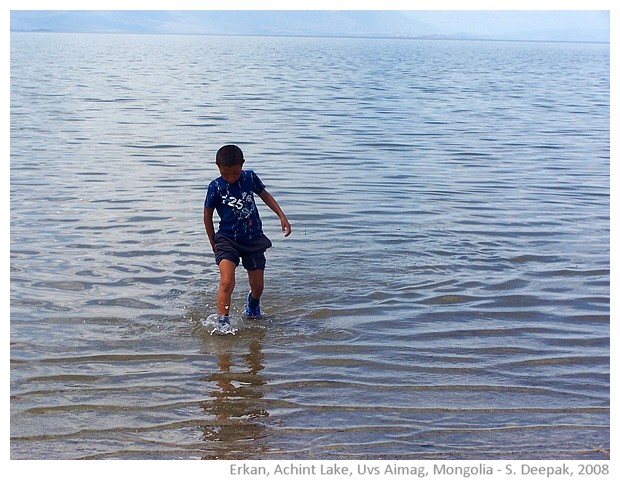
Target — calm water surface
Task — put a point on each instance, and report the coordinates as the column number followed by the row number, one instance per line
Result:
column 445, row 292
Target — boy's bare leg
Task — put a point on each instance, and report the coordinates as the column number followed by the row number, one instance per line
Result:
column 227, row 285
column 257, row 282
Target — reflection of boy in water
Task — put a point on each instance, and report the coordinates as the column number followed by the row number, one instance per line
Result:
column 236, row 408
column 240, row 235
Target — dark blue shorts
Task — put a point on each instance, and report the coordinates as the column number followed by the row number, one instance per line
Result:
column 251, row 253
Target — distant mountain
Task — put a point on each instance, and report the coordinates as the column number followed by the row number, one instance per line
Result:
column 518, row 25
column 319, row 23
column 241, row 22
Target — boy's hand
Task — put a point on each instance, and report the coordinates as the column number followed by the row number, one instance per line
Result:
column 286, row 226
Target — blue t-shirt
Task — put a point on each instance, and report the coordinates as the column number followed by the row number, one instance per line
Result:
column 234, row 203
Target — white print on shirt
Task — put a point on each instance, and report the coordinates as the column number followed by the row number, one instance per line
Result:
column 245, row 205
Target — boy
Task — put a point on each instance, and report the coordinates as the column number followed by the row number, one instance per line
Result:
column 240, row 235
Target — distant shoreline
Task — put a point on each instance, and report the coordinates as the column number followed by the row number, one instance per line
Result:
column 371, row 37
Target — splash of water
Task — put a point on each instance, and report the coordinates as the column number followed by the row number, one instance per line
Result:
column 213, row 325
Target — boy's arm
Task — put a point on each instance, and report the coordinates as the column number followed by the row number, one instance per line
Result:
column 271, row 203
column 208, row 219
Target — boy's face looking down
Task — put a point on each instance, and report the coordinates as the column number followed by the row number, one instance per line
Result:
column 230, row 173
column 229, row 159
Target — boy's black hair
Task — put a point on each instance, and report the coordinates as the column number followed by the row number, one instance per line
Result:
column 229, row 155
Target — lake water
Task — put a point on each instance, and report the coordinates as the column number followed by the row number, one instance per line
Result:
column 445, row 292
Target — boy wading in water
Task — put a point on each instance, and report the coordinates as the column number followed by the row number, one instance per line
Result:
column 240, row 235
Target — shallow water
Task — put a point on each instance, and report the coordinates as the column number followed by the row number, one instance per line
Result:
column 445, row 292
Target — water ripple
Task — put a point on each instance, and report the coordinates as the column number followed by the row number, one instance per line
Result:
column 445, row 293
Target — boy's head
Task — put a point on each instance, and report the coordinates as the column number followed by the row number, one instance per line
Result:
column 229, row 161
column 228, row 156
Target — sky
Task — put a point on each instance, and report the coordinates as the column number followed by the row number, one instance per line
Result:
column 548, row 25
column 517, row 25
